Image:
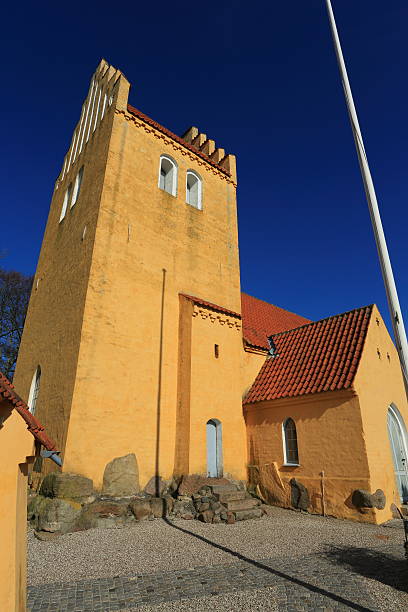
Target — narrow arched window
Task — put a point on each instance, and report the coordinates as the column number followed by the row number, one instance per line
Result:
column 67, row 198
column 193, row 189
column 168, row 175
column 290, row 446
column 77, row 186
column 34, row 390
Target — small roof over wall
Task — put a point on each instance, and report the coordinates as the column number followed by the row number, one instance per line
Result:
column 8, row 395
column 260, row 320
column 320, row 356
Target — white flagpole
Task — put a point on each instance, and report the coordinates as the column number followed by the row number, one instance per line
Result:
column 388, row 277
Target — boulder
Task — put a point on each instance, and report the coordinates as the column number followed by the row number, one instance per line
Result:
column 379, row 499
column 141, row 509
column 158, row 507
column 206, row 516
column 184, row 507
column 57, row 515
column 156, row 486
column 230, row 518
column 169, row 504
column 67, row 486
column 299, row 495
column 192, row 483
column 121, row 477
column 105, row 509
column 364, row 499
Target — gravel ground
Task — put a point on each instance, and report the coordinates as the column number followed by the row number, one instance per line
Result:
column 154, row 546
column 301, row 541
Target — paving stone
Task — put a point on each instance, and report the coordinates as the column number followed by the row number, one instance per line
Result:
column 312, row 584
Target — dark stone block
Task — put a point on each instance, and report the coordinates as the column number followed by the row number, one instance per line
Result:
column 364, row 499
column 299, row 495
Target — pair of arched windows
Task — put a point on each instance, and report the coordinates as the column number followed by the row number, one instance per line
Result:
column 72, row 193
column 168, row 181
column 290, row 445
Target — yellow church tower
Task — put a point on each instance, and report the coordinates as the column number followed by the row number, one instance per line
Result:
column 133, row 339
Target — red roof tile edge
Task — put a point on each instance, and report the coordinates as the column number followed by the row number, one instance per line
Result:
column 347, row 383
column 211, row 306
column 341, row 314
column 161, row 128
column 33, row 425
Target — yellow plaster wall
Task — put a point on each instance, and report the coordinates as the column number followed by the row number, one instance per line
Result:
column 330, row 439
column 53, row 327
column 252, row 361
column 216, row 390
column 379, row 383
column 16, row 445
column 149, row 247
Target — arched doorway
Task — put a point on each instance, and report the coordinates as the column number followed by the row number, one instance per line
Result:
column 214, row 448
column 398, row 439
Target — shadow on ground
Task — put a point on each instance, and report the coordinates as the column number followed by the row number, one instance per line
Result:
column 291, row 579
column 374, row 564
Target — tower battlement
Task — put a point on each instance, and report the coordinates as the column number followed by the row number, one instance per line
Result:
column 102, row 93
column 205, row 145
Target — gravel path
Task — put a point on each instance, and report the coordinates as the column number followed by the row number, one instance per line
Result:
column 334, row 555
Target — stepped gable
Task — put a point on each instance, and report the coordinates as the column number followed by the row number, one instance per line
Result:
column 8, row 395
column 260, row 320
column 196, row 146
column 320, row 356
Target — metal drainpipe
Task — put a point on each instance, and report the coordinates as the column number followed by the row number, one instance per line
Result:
column 53, row 455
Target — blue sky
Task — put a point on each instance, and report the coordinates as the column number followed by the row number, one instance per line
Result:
column 261, row 79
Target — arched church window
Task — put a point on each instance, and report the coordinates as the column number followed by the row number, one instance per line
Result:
column 168, row 175
column 34, row 390
column 290, row 445
column 67, row 198
column 77, row 186
column 193, row 189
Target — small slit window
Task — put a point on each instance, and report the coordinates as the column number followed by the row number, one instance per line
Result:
column 77, row 186
column 67, row 198
column 216, row 351
column 168, row 175
column 34, row 390
column 290, row 445
column 193, row 190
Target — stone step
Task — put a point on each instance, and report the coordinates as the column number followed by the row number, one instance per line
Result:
column 404, row 510
column 241, row 504
column 245, row 515
column 230, row 496
column 227, row 488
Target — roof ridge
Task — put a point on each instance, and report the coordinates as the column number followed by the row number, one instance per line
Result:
column 274, row 305
column 340, row 314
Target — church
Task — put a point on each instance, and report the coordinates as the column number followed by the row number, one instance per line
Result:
column 139, row 340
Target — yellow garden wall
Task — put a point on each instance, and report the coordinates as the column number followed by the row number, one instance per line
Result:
column 330, row 439
column 379, row 383
column 16, row 445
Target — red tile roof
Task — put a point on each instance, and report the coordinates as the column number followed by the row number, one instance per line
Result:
column 321, row 356
column 206, row 304
column 260, row 320
column 134, row 111
column 8, row 394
